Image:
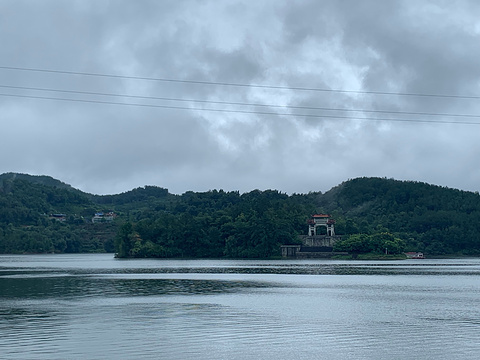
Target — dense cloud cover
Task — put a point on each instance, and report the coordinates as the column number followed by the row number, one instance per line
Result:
column 293, row 49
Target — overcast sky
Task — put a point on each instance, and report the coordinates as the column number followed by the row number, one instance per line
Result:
column 240, row 95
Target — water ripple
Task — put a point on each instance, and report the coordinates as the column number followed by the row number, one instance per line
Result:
column 98, row 308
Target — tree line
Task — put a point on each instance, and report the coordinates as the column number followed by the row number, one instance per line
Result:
column 217, row 224
column 372, row 215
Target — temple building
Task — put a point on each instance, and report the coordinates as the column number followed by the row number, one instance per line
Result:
column 318, row 243
column 321, row 220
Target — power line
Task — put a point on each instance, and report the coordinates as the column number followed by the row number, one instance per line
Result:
column 243, row 111
column 238, row 103
column 239, row 84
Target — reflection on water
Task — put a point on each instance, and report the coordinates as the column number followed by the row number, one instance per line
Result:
column 95, row 307
column 77, row 286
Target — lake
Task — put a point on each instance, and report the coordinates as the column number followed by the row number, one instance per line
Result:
column 92, row 306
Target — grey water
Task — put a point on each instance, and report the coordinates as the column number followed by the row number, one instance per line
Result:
column 97, row 307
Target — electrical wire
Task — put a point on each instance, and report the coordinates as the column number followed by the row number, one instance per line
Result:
column 238, row 103
column 238, row 84
column 243, row 111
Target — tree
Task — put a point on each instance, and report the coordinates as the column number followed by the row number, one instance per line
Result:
column 376, row 243
column 124, row 240
column 357, row 244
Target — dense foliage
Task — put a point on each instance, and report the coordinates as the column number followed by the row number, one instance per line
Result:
column 377, row 243
column 216, row 224
column 373, row 215
column 27, row 224
column 432, row 219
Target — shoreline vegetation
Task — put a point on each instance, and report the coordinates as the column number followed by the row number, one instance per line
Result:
column 276, row 257
column 39, row 214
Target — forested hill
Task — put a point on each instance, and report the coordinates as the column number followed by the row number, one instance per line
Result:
column 433, row 219
column 41, row 214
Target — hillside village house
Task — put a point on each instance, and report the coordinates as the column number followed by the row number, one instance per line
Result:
column 103, row 217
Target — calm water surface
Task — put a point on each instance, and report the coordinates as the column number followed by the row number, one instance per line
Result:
column 98, row 307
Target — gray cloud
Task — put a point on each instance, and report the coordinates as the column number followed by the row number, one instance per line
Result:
column 396, row 46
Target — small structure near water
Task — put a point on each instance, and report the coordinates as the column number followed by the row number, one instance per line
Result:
column 414, row 255
column 315, row 245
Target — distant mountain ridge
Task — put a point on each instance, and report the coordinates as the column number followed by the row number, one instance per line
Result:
column 36, row 179
column 134, row 195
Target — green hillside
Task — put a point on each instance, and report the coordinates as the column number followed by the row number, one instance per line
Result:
column 40, row 214
column 36, row 179
column 433, row 219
